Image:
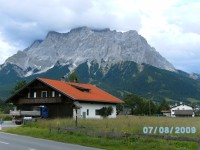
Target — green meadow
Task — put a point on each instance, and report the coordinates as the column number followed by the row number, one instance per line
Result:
column 122, row 124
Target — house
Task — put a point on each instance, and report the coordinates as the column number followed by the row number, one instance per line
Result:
column 182, row 110
column 61, row 98
column 166, row 113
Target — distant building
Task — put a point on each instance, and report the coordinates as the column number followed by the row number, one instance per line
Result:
column 62, row 98
column 182, row 110
column 166, row 113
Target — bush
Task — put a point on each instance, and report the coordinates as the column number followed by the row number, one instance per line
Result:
column 5, row 117
column 105, row 111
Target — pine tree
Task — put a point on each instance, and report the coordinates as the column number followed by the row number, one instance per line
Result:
column 73, row 77
column 18, row 86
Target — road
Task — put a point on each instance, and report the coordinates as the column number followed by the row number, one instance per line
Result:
column 9, row 124
column 18, row 142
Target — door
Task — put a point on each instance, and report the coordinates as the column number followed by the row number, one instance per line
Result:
column 84, row 115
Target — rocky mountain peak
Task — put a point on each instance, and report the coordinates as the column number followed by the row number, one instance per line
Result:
column 35, row 44
column 80, row 29
column 101, row 30
column 86, row 45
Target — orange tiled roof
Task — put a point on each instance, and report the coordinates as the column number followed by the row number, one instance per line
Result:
column 81, row 92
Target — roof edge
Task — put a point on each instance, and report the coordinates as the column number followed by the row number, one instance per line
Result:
column 40, row 79
column 99, row 101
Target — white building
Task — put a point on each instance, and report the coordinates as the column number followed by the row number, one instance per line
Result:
column 182, row 110
column 166, row 113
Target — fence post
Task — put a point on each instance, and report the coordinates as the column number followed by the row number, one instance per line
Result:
column 58, row 130
column 50, row 129
column 167, row 140
column 138, row 136
column 198, row 143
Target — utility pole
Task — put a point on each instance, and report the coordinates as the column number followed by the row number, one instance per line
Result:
column 76, row 122
column 149, row 108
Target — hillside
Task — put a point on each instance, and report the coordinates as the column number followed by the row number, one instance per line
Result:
column 129, row 77
column 144, row 80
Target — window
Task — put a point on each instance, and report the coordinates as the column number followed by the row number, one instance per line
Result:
column 29, row 94
column 87, row 112
column 97, row 112
column 83, row 89
column 44, row 94
column 34, row 95
column 53, row 93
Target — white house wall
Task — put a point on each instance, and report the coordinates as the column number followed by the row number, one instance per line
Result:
column 180, row 107
column 82, row 113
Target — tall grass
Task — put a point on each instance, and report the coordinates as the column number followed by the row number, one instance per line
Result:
column 133, row 124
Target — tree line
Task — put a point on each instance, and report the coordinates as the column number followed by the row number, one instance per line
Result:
column 4, row 107
column 137, row 105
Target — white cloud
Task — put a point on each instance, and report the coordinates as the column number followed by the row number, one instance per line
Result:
column 6, row 50
column 174, row 32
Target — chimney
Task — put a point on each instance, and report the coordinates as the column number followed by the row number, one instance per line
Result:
column 62, row 79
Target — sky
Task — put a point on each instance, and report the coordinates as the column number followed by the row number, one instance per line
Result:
column 172, row 27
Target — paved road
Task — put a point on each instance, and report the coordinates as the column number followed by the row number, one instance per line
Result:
column 18, row 142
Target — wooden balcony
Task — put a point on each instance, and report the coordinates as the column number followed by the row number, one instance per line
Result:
column 39, row 100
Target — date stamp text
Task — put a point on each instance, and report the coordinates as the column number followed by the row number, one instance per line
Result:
column 169, row 130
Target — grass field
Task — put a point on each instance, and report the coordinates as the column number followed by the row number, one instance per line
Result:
column 125, row 124
column 132, row 124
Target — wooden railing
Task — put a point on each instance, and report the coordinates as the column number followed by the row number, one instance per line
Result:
column 39, row 100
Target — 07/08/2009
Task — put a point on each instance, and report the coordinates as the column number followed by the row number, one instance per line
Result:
column 169, row 130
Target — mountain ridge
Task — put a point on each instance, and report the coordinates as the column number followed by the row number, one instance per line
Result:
column 85, row 44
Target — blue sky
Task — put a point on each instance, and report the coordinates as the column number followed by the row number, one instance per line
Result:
column 170, row 26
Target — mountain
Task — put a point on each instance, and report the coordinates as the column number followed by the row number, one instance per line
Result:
column 195, row 76
column 83, row 44
column 120, row 63
column 142, row 79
